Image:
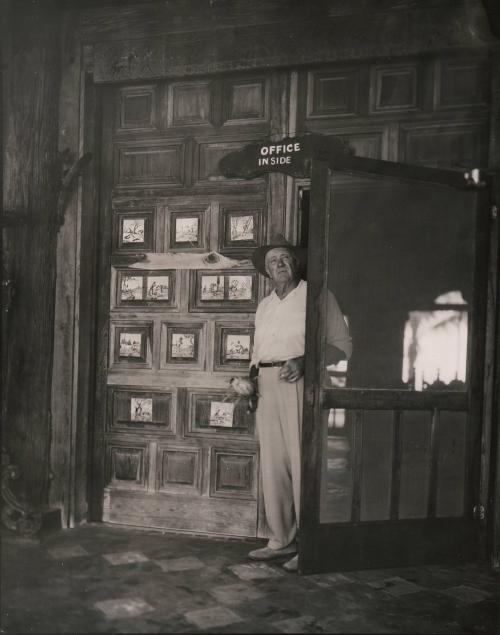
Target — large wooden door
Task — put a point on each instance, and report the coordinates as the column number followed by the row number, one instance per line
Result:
column 168, row 451
column 391, row 448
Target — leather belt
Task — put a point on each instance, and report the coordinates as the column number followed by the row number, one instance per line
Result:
column 270, row 364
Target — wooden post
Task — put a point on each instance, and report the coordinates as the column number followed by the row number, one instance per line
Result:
column 32, row 174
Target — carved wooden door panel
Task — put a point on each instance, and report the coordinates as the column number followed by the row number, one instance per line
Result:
column 173, row 329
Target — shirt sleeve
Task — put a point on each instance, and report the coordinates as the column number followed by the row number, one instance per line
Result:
column 257, row 332
column 337, row 332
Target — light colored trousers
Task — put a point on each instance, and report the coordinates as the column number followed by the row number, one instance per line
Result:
column 279, row 426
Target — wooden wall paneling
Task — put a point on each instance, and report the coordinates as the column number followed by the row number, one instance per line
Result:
column 364, row 91
column 293, row 103
column 97, row 251
column 214, row 210
column 208, row 153
column 246, row 100
column 307, row 27
column 461, row 83
column 241, row 229
column 392, row 141
column 332, row 93
column 184, row 276
column 233, row 473
column 377, row 461
column 138, row 109
column 217, row 102
column 156, row 339
column 415, row 464
column 179, row 512
column 183, row 345
column 117, row 25
column 144, row 290
column 144, row 163
column 444, row 144
column 223, row 291
column 233, row 345
column 66, row 491
column 428, row 82
column 451, row 486
column 277, row 210
column 292, row 125
column 152, row 468
column 199, row 408
column 356, row 458
column 128, row 464
column 182, row 411
column 395, row 88
column 188, row 227
column 189, row 103
column 180, row 468
column 209, row 349
column 396, row 464
column 371, row 142
column 32, row 172
column 131, row 344
column 298, row 220
column 134, row 230
column 434, row 463
column 302, row 101
column 136, row 410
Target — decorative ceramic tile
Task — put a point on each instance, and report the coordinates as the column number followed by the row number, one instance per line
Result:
column 255, row 571
column 123, row 607
column 217, row 616
column 396, row 586
column 302, row 624
column 235, row 593
column 125, row 557
column 63, row 553
column 466, row 594
column 180, row 564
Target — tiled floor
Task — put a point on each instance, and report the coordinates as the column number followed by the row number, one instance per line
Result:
column 104, row 579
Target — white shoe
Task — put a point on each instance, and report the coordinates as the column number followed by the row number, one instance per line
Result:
column 292, row 565
column 266, row 553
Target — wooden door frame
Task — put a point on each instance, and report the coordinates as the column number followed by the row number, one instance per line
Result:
column 492, row 391
column 87, row 450
column 74, row 358
column 322, row 167
column 85, row 465
column 79, row 476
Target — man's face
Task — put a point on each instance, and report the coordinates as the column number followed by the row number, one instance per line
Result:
column 280, row 265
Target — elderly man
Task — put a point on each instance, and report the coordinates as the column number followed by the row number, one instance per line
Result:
column 278, row 358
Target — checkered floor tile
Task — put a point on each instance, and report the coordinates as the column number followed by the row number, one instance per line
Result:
column 78, row 581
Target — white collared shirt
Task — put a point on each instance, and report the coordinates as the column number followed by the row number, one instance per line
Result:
column 280, row 326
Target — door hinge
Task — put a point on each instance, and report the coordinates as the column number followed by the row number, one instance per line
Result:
column 494, row 212
column 479, row 512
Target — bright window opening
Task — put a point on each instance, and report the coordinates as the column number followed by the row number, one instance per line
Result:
column 435, row 346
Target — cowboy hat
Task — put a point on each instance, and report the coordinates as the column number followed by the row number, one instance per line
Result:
column 259, row 255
